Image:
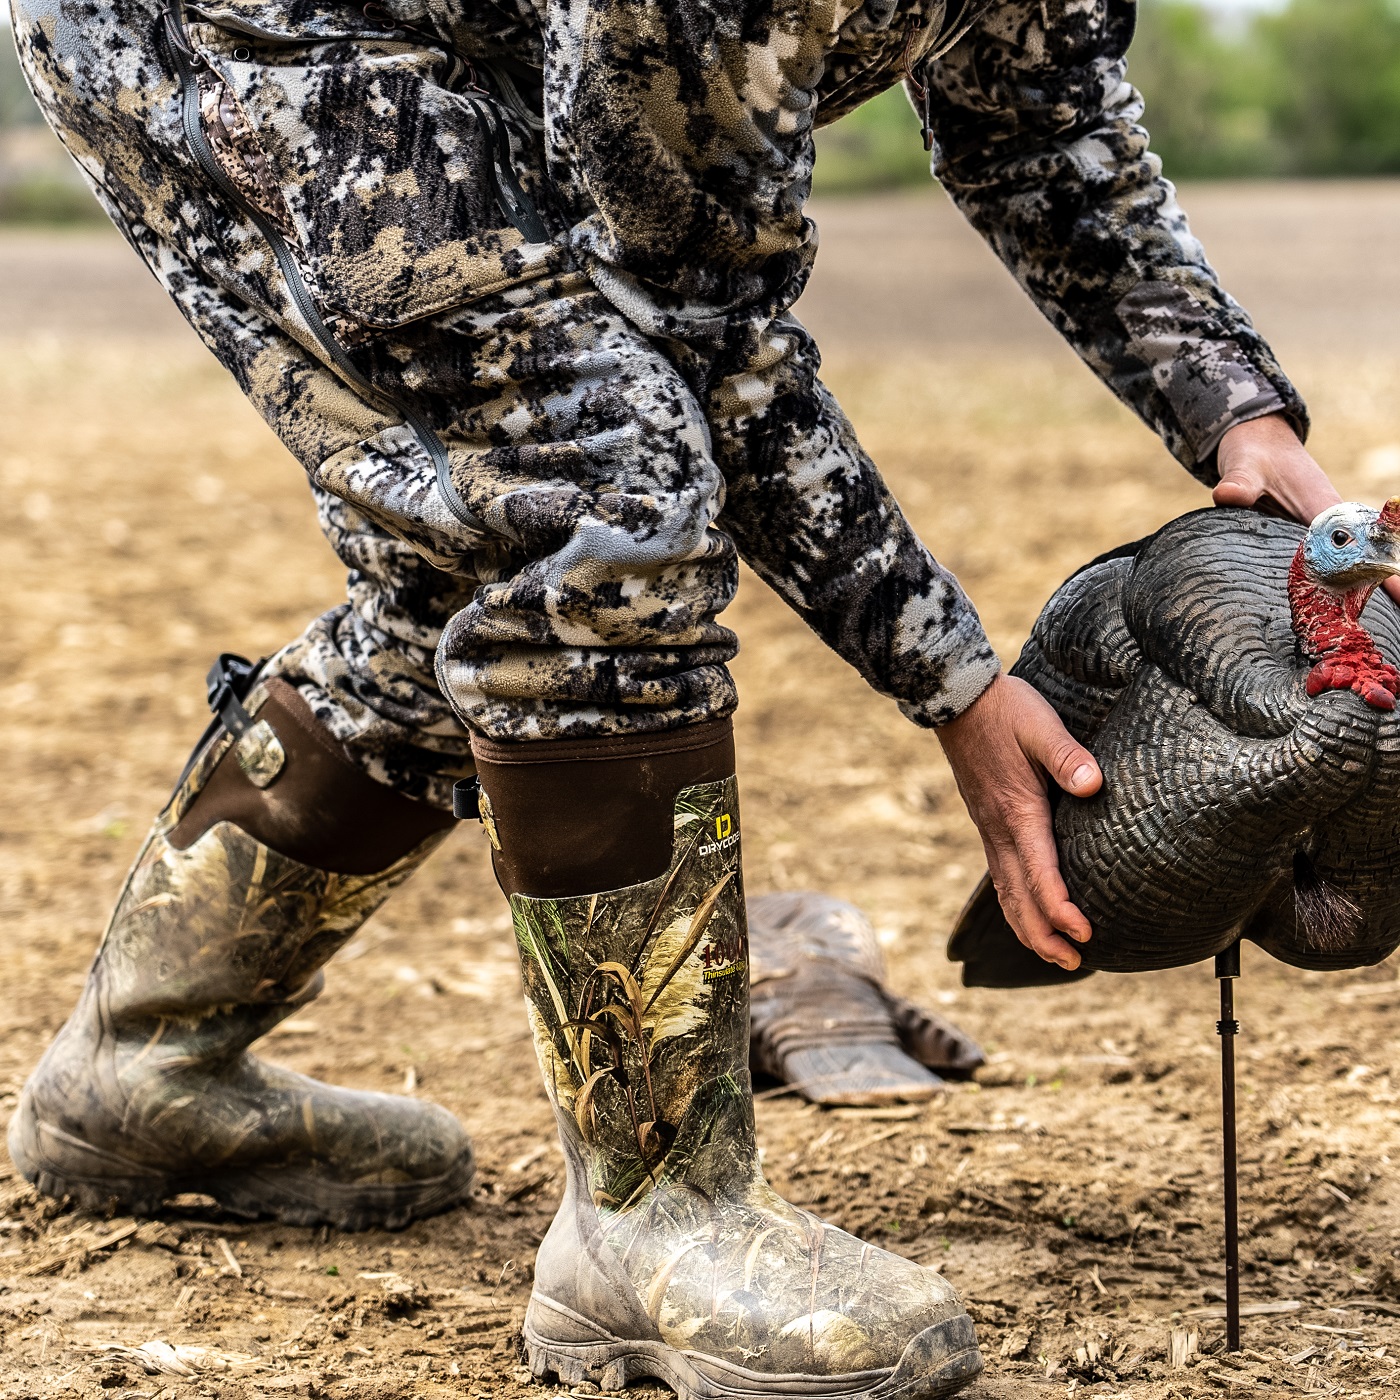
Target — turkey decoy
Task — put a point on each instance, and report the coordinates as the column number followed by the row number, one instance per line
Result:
column 1239, row 704
column 1225, row 675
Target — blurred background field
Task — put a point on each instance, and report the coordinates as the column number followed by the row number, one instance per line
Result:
column 150, row 520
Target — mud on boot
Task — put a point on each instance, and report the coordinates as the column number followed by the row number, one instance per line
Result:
column 148, row 1091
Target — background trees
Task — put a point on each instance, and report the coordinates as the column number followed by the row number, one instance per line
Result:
column 1312, row 88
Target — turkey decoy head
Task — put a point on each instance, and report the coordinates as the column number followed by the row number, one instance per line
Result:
column 1243, row 712
column 1348, row 550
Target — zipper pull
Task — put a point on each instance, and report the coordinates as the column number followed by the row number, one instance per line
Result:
column 911, row 76
column 517, row 206
column 175, row 37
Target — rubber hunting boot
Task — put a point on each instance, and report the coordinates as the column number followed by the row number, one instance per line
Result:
column 671, row 1257
column 271, row 853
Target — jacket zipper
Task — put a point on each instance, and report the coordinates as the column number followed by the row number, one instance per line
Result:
column 513, row 202
column 187, row 63
column 510, row 93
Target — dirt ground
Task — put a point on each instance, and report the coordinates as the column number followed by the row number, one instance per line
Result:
column 149, row 520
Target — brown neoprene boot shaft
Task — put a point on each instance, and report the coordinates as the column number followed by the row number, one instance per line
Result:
column 579, row 816
column 320, row 809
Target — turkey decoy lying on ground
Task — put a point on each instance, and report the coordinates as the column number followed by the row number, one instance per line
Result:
column 821, row 1018
column 1244, row 718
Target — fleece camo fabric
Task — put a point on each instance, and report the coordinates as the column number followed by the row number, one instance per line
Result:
column 627, row 405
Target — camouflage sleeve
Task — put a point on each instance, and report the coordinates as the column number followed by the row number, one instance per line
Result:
column 683, row 132
column 1037, row 137
column 812, row 517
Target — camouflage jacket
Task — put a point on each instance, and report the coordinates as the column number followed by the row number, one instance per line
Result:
column 683, row 134
column 669, row 148
column 679, row 141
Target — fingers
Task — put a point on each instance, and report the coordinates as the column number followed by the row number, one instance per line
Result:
column 1039, row 867
column 1001, row 751
column 1025, row 916
column 1048, row 743
column 1303, row 489
column 1025, row 869
column 1241, row 485
column 1265, row 458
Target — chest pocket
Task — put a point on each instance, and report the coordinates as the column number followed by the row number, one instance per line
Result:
column 371, row 151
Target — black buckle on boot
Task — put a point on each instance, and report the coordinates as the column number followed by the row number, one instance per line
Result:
column 466, row 799
column 230, row 678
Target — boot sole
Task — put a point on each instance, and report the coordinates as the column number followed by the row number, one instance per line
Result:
column 293, row 1197
column 938, row 1361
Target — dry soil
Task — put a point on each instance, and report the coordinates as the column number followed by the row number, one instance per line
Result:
column 149, row 520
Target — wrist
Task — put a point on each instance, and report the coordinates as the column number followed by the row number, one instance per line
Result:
column 968, row 736
column 963, row 687
column 1263, row 461
column 962, row 692
column 1270, row 433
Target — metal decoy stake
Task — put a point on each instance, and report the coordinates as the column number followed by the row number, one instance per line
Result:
column 1227, row 969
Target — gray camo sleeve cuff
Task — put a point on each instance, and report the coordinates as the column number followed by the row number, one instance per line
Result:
column 1209, row 365
column 966, row 665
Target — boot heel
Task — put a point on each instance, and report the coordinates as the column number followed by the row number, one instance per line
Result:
column 590, row 1354
column 100, row 1180
column 127, row 1197
column 545, row 1361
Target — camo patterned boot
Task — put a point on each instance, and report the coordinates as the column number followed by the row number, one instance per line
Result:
column 271, row 853
column 671, row 1257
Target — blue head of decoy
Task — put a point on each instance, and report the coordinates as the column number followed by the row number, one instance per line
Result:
column 1351, row 545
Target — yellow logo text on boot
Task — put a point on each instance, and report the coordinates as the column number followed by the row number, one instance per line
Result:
column 724, row 836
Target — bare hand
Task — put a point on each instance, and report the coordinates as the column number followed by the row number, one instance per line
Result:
column 1266, row 458
column 1004, row 750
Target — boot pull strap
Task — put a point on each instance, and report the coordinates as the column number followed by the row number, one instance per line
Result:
column 230, row 678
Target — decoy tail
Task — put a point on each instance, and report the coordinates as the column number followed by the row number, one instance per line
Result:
column 992, row 955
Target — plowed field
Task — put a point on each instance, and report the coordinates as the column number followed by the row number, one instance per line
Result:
column 149, row 520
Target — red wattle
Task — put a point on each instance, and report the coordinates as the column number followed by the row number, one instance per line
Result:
column 1345, row 653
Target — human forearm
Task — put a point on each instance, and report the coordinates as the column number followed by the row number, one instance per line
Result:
column 810, row 514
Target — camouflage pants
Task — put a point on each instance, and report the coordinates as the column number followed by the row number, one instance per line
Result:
column 569, row 576
column 524, row 486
